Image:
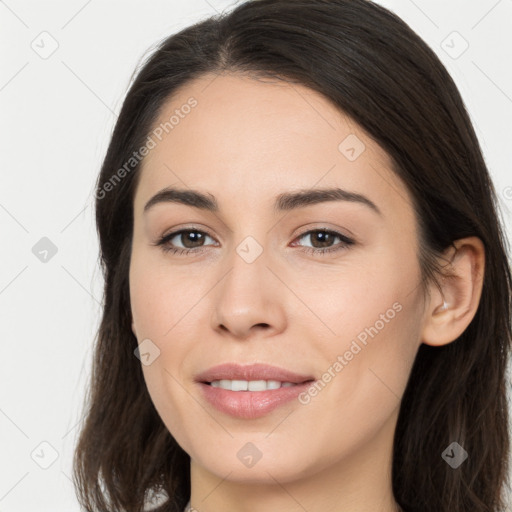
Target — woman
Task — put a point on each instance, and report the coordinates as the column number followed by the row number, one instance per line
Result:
column 307, row 294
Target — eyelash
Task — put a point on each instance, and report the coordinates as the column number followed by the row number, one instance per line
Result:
column 163, row 242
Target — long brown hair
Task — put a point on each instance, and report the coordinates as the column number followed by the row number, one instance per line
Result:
column 376, row 70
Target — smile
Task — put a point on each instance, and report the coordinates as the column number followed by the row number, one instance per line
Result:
column 250, row 385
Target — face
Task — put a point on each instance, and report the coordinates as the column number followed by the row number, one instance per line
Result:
column 320, row 291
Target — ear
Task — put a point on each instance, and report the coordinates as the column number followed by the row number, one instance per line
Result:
column 133, row 329
column 451, row 310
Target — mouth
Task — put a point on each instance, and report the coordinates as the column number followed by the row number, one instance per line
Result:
column 250, row 385
column 236, row 375
column 250, row 391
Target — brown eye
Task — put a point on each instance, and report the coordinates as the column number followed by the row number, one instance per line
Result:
column 193, row 241
column 190, row 239
column 322, row 241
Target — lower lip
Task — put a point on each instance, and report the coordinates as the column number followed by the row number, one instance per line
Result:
column 250, row 404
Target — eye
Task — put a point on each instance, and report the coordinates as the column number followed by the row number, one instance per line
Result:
column 192, row 241
column 322, row 239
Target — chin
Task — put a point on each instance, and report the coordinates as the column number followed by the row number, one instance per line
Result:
column 269, row 468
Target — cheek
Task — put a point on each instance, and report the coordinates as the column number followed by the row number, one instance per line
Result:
column 376, row 317
column 170, row 399
column 364, row 303
column 162, row 304
column 161, row 296
column 362, row 382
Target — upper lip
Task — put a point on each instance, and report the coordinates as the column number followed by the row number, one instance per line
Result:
column 257, row 371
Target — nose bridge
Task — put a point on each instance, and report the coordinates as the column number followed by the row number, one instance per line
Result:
column 248, row 268
column 246, row 297
column 249, row 245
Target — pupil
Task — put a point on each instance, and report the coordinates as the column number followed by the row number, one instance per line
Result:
column 194, row 236
column 325, row 236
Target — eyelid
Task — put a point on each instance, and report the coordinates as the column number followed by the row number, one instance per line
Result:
column 307, row 230
column 345, row 241
column 162, row 240
column 325, row 227
column 175, row 231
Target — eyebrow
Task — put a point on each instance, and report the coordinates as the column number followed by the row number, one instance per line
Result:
column 284, row 202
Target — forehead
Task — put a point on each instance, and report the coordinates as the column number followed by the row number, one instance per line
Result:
column 240, row 137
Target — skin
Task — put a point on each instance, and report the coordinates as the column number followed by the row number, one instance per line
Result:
column 245, row 142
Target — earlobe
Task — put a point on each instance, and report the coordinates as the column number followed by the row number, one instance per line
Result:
column 452, row 308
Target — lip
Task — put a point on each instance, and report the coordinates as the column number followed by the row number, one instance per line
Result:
column 257, row 371
column 250, row 404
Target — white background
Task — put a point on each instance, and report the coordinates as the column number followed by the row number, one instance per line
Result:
column 56, row 118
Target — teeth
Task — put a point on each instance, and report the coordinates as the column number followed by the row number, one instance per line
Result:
column 257, row 385
column 250, row 385
column 273, row 384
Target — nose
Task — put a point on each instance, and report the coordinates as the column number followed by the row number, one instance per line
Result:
column 249, row 300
